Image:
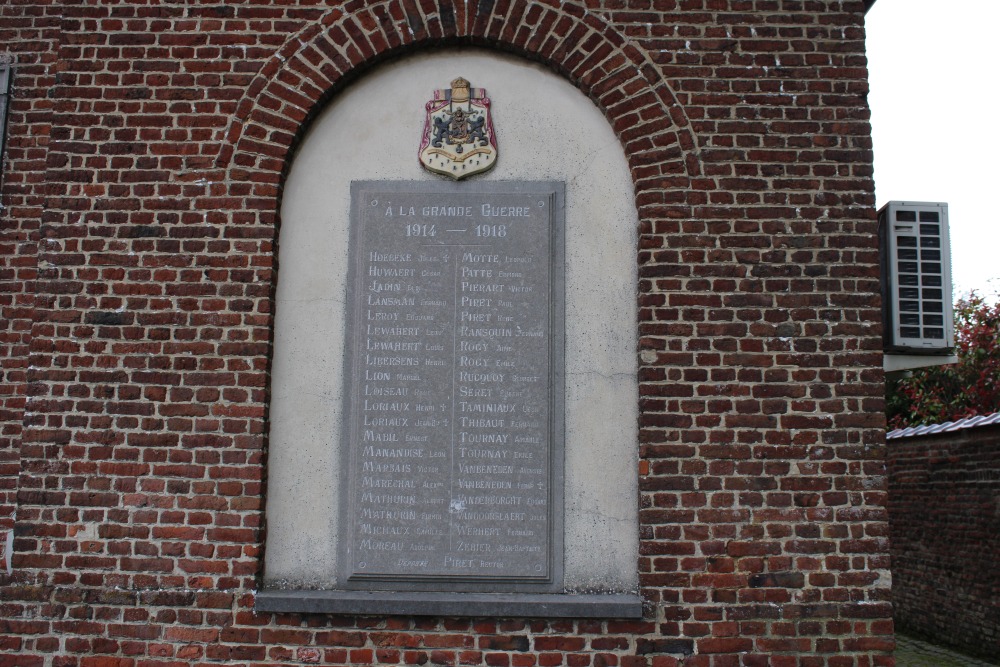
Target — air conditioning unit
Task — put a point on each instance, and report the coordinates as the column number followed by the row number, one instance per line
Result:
column 915, row 259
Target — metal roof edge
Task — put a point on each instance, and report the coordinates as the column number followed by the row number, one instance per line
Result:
column 975, row 421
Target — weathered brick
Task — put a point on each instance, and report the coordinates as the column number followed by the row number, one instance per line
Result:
column 147, row 146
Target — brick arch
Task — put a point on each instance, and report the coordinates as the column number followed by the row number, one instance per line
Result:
column 590, row 52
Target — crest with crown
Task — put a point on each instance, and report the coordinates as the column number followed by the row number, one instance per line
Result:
column 458, row 139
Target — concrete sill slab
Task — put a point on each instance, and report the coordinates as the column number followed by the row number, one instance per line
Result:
column 507, row 605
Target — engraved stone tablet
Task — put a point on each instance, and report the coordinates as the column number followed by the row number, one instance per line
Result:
column 454, row 387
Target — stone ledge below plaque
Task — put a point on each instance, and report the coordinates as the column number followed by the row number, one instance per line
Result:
column 508, row 605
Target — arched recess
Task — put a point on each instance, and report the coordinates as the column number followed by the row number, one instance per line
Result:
column 641, row 112
column 611, row 70
column 547, row 131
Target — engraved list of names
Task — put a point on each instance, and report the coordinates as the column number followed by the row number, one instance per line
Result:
column 454, row 390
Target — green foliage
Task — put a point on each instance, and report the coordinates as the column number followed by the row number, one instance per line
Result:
column 970, row 387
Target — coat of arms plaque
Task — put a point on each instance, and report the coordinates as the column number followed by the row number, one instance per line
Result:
column 458, row 139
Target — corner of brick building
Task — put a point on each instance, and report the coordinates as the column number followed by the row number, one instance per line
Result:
column 132, row 447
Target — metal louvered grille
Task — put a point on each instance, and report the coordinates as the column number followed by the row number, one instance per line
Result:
column 916, row 276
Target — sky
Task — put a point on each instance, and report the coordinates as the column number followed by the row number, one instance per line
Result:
column 934, row 72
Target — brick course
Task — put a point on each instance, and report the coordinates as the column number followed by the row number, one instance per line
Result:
column 147, row 146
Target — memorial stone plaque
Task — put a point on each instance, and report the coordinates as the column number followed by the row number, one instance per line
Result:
column 453, row 453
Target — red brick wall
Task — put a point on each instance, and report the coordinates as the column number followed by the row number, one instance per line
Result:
column 141, row 461
column 29, row 39
column 944, row 517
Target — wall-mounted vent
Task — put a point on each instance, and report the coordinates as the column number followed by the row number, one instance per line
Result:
column 915, row 257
